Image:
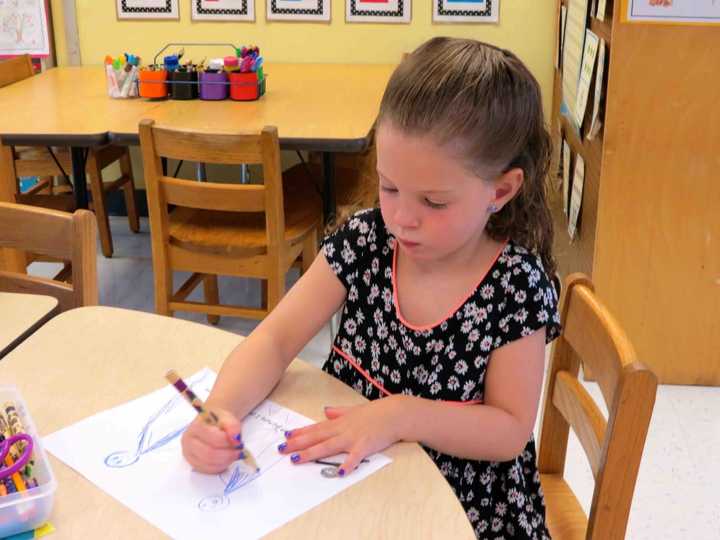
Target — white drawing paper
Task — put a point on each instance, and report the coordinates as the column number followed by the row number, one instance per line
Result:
column 23, row 28
column 133, row 453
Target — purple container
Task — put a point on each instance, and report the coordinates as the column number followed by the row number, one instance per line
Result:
column 217, row 87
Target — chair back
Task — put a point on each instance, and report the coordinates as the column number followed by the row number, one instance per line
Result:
column 61, row 235
column 593, row 338
column 15, row 69
column 231, row 149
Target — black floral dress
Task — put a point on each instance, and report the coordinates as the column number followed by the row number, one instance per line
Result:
column 377, row 353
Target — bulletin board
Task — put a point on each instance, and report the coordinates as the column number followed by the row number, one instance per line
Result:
column 702, row 12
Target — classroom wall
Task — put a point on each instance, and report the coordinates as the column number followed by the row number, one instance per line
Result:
column 526, row 27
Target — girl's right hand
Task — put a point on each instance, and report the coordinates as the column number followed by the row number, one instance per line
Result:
column 211, row 449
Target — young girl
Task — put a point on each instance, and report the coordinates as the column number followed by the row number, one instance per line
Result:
column 447, row 300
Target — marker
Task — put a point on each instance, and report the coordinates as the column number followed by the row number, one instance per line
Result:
column 208, row 416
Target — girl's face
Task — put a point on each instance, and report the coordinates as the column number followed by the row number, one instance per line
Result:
column 433, row 206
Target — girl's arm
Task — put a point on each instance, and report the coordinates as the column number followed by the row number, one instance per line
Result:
column 256, row 365
column 497, row 430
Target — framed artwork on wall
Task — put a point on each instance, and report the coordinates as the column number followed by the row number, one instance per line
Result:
column 386, row 11
column 147, row 9
column 298, row 10
column 466, row 11
column 223, row 10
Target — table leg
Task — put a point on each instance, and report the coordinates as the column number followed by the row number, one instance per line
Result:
column 328, row 186
column 78, row 154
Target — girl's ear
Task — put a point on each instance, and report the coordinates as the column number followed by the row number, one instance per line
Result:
column 507, row 186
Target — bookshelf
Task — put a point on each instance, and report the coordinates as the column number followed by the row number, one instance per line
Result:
column 649, row 226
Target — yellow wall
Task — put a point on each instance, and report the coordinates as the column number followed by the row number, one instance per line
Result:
column 526, row 27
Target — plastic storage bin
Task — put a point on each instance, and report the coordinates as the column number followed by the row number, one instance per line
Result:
column 153, row 84
column 183, row 84
column 29, row 509
column 245, row 86
column 213, row 86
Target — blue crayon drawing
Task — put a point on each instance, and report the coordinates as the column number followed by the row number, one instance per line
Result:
column 148, row 440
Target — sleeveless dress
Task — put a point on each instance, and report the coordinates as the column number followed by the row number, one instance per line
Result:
column 378, row 353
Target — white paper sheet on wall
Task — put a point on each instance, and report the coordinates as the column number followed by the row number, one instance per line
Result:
column 576, row 197
column 677, row 11
column 586, row 75
column 566, row 157
column 573, row 51
column 133, row 453
column 596, row 122
column 23, row 28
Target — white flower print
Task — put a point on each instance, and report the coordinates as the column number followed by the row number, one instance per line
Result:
column 359, row 344
column 374, row 349
column 350, row 327
column 468, row 387
column 348, row 254
column 435, row 388
column 486, row 344
column 367, row 275
column 466, row 326
column 382, row 331
column 375, row 265
column 375, row 364
column 453, row 383
column 487, row 292
column 361, row 241
column 395, row 376
column 520, row 297
column 353, row 293
column 461, row 367
column 473, row 514
column 401, row 357
column 500, row 508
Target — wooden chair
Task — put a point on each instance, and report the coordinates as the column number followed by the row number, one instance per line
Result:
column 56, row 234
column 593, row 338
column 247, row 230
column 47, row 163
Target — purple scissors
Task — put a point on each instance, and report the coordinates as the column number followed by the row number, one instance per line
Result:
column 22, row 460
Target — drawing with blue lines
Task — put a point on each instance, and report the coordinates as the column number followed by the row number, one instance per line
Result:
column 133, row 453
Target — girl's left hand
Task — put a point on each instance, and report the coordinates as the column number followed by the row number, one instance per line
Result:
column 360, row 431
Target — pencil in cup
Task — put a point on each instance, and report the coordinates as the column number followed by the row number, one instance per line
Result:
column 207, row 415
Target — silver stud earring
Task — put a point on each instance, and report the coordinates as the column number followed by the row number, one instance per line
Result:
column 492, row 208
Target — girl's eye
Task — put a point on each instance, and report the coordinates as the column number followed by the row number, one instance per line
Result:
column 388, row 189
column 435, row 205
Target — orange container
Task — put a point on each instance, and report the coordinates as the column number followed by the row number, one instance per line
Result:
column 153, row 84
column 244, row 86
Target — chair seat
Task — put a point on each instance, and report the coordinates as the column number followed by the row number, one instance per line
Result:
column 565, row 518
column 35, row 154
column 234, row 233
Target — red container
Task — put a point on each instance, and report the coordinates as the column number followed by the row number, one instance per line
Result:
column 153, row 84
column 244, row 86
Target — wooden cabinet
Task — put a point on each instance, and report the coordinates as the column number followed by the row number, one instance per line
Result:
column 649, row 231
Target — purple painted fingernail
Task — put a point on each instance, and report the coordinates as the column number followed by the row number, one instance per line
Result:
column 282, row 447
column 240, row 446
column 295, row 458
column 238, row 437
column 341, row 472
column 242, row 455
column 288, row 434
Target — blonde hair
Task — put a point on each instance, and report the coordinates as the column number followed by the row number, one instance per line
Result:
column 484, row 100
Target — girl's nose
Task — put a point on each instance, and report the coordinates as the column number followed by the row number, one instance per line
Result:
column 405, row 217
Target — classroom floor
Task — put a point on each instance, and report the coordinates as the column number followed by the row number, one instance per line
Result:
column 676, row 495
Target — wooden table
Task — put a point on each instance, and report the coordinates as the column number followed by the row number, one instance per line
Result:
column 322, row 107
column 21, row 315
column 65, row 375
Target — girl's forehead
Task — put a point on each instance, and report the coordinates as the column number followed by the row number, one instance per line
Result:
column 419, row 159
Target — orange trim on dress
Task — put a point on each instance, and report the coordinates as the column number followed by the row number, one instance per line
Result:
column 382, row 389
column 396, row 301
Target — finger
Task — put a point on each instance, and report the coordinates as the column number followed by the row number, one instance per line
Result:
column 335, row 412
column 232, row 428
column 220, row 457
column 211, row 435
column 352, row 461
column 324, row 449
column 307, row 437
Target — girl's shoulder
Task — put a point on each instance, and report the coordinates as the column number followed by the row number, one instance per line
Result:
column 362, row 238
